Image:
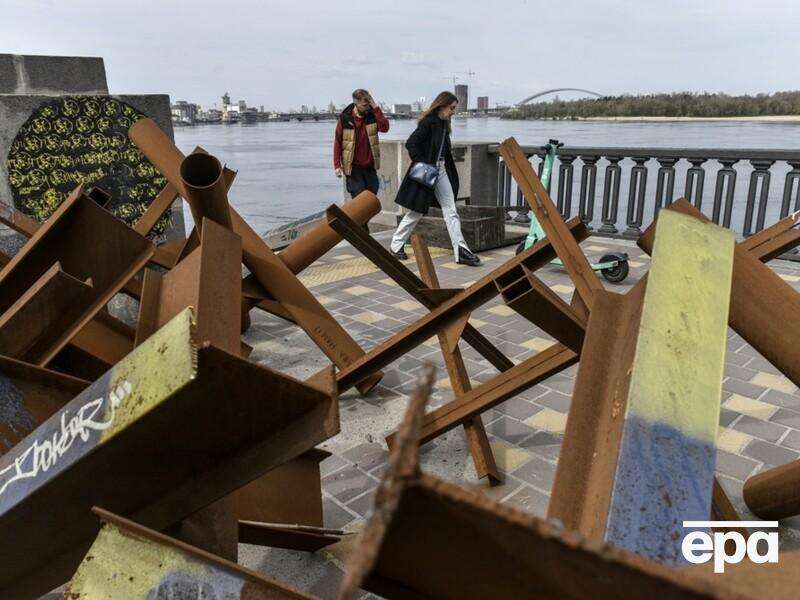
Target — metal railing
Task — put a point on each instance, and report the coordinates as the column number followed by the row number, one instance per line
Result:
column 618, row 191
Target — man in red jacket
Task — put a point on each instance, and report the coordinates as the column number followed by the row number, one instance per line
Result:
column 356, row 151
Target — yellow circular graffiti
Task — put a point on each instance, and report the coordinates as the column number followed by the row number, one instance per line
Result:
column 80, row 139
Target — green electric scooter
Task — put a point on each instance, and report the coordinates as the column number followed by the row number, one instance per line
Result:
column 613, row 266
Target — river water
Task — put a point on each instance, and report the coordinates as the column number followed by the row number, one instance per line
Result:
column 285, row 170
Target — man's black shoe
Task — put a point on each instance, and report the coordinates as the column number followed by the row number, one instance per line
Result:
column 465, row 257
column 400, row 254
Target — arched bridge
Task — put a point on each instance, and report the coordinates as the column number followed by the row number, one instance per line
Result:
column 544, row 93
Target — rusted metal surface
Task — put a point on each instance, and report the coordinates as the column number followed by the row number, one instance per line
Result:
column 479, row 447
column 427, row 538
column 532, row 299
column 289, row 536
column 128, row 560
column 88, row 242
column 33, row 324
column 408, row 280
column 150, row 440
column 450, row 311
column 205, row 189
column 566, row 246
column 209, row 280
column 29, row 395
column 270, row 272
column 774, row 493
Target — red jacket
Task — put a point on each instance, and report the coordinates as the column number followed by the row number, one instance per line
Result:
column 363, row 155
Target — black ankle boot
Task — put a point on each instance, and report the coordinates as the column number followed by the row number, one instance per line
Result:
column 465, row 257
column 400, row 254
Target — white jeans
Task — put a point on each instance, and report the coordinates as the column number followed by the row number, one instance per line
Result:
column 447, row 200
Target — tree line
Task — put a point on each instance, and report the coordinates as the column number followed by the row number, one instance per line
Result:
column 682, row 104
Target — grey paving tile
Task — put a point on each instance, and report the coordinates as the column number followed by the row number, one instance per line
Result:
column 792, row 440
column 544, row 444
column 333, row 515
column 331, row 464
column 530, row 500
column 734, row 465
column 347, row 483
column 769, row 453
column 726, row 417
column 367, row 456
column 555, row 400
column 363, row 504
column 764, row 430
column 538, row 472
column 787, row 417
column 510, row 430
column 742, row 387
column 518, row 408
column 781, row 399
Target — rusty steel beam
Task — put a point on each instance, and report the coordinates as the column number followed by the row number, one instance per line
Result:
column 35, row 322
column 479, row 448
column 209, row 280
column 639, row 447
column 206, row 190
column 451, row 310
column 29, row 395
column 774, row 493
column 270, row 272
column 350, row 230
column 532, row 299
column 566, row 246
column 88, row 242
column 764, row 308
column 427, row 538
column 150, row 440
column 128, row 560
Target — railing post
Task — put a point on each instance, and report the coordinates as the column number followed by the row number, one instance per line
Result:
column 588, row 188
column 611, row 195
column 522, row 206
column 695, row 178
column 665, row 183
column 565, row 177
column 506, row 186
column 789, row 190
column 636, row 192
column 726, row 183
column 760, row 174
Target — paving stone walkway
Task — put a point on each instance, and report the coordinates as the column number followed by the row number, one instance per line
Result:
column 759, row 420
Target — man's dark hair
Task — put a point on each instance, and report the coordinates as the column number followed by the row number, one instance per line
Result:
column 360, row 94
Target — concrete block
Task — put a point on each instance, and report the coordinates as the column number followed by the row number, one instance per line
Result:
column 52, row 75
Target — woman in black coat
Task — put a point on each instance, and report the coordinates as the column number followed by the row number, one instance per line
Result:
column 430, row 143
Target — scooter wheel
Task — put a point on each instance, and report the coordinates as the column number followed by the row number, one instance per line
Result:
column 615, row 274
column 521, row 247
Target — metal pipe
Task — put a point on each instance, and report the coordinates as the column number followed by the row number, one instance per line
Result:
column 205, row 189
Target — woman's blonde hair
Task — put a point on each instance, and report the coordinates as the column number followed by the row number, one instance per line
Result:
column 442, row 100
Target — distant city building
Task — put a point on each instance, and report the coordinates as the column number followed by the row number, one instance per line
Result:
column 226, row 100
column 483, row 102
column 261, row 109
column 419, row 105
column 462, row 93
column 331, row 107
column 242, row 106
column 401, row 109
column 304, row 109
column 184, row 112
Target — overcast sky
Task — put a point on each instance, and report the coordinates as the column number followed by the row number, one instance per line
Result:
column 284, row 54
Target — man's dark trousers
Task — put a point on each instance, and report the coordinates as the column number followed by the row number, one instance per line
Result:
column 360, row 179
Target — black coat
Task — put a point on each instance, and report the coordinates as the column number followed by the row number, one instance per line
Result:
column 423, row 146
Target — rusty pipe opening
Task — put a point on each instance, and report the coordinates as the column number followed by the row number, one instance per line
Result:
column 200, row 170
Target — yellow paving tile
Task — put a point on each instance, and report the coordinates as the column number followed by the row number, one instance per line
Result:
column 732, row 441
column 776, row 382
column 444, row 383
column 432, row 341
column 750, row 407
column 548, row 420
column 790, row 278
column 368, row 317
column 501, row 310
column 505, row 252
column 560, row 288
column 359, row 290
column 453, row 265
column 477, row 323
column 388, row 281
column 344, row 256
column 407, row 305
column 508, row 457
column 537, row 344
column 326, row 299
column 596, row 248
column 635, row 263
